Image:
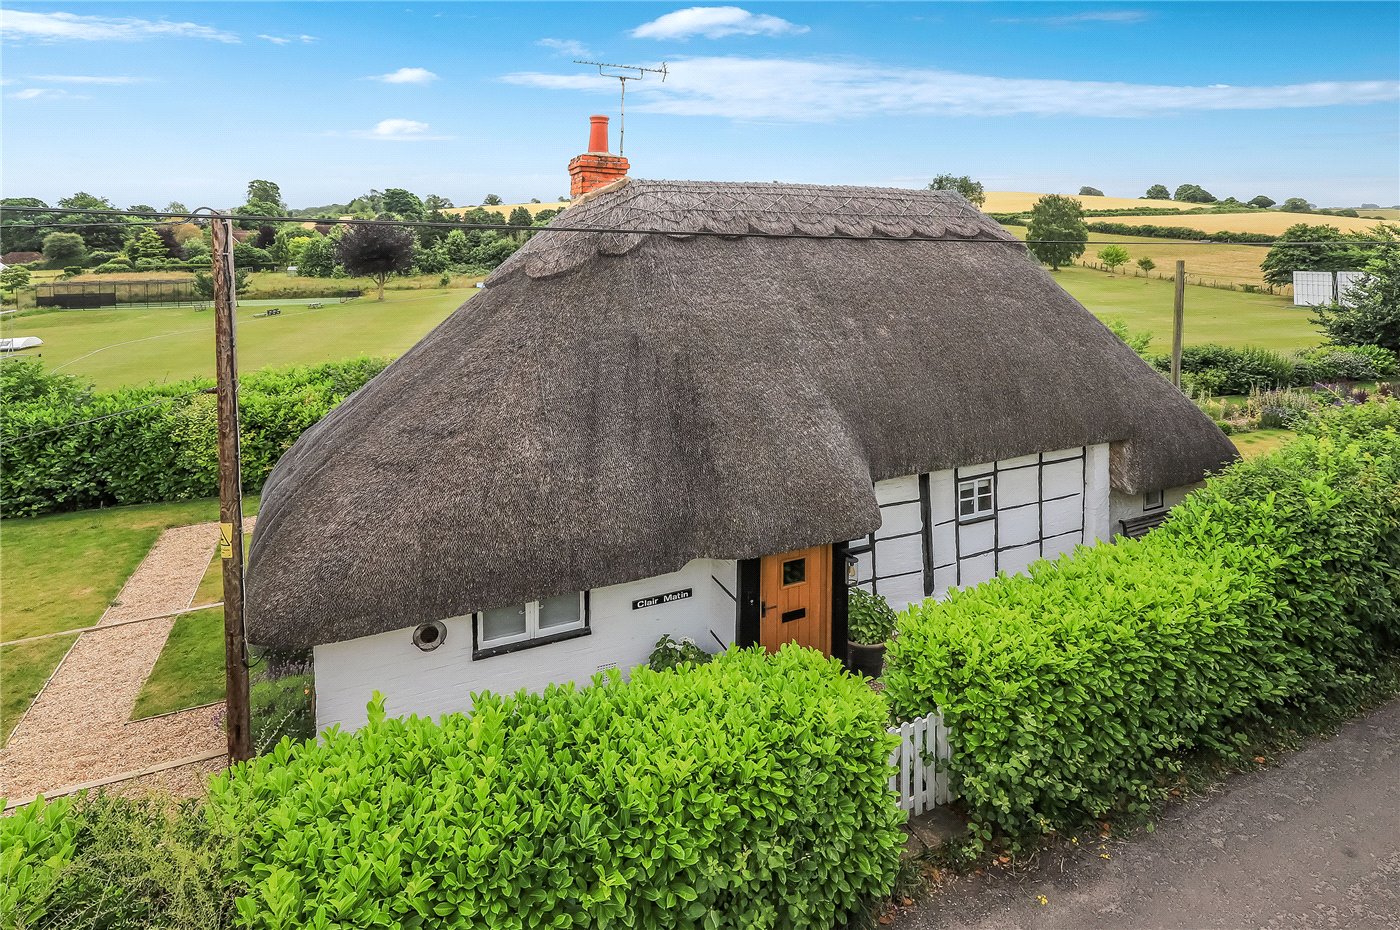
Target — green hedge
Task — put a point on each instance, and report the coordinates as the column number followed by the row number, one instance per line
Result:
column 52, row 459
column 1180, row 232
column 1078, row 690
column 748, row 792
column 1217, row 369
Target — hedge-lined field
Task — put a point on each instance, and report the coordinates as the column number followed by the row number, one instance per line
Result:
column 1079, row 689
column 59, row 449
column 748, row 792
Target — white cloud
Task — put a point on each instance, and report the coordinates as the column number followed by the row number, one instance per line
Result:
column 286, row 40
column 89, row 79
column 569, row 48
column 715, row 22
column 816, row 91
column 406, row 76
column 55, row 27
column 44, row 93
column 399, row 130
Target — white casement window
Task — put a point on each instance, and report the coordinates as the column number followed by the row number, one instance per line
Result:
column 1152, row 500
column 976, row 498
column 506, row 626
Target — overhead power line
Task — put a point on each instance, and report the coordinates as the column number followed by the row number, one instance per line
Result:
column 597, row 230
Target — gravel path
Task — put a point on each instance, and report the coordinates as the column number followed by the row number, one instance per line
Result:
column 78, row 729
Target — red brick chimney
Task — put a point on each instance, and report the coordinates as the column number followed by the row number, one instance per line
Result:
column 595, row 168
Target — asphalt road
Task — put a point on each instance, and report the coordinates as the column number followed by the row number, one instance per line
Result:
column 1311, row 842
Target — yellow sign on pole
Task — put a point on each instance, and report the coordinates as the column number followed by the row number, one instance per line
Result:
column 225, row 540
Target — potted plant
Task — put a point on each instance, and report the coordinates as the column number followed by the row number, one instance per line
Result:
column 869, row 625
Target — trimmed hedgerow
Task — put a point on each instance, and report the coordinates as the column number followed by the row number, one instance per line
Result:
column 747, row 792
column 1076, row 690
column 164, row 448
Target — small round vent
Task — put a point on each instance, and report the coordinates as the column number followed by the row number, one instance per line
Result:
column 428, row 636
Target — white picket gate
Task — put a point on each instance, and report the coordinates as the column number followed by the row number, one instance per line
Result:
column 921, row 778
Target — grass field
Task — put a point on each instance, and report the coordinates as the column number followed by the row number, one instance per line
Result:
column 190, row 670
column 1271, row 222
column 505, row 208
column 1381, row 213
column 1232, row 318
column 114, row 348
column 24, row 667
column 1236, row 264
column 1018, row 201
column 1261, row 441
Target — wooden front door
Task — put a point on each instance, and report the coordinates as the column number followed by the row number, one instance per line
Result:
column 795, row 599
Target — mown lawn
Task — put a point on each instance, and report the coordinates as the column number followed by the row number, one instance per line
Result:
column 211, row 586
column 116, row 348
column 190, row 670
column 1231, row 318
column 24, row 667
column 1261, row 441
column 60, row 572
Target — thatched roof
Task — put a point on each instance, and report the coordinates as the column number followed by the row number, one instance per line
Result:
column 613, row 405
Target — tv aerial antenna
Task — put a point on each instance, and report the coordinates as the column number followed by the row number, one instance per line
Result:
column 624, row 73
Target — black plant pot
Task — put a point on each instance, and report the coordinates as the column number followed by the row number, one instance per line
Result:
column 867, row 659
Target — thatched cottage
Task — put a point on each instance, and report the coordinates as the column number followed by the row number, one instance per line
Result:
column 670, row 425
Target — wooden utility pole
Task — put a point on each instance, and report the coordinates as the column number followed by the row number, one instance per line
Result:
column 1178, row 321
column 237, row 718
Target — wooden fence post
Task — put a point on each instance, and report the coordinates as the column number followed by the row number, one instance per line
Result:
column 1178, row 321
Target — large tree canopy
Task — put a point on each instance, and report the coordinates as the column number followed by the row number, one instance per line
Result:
column 376, row 251
column 1056, row 233
column 1371, row 314
column 963, row 184
column 1310, row 248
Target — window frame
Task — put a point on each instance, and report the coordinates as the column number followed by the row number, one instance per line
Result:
column 532, row 635
column 978, row 514
column 1147, row 497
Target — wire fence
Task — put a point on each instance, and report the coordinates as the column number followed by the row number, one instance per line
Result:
column 91, row 295
column 1215, row 281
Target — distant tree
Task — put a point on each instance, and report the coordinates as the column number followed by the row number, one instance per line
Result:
column 520, row 216
column 256, row 208
column 543, row 217
column 1058, row 223
column 492, row 200
column 64, row 248
column 366, row 205
column 1262, row 201
column 194, row 248
column 141, row 208
column 1326, row 249
column 1087, row 191
column 1295, row 205
column 1157, row 192
column 169, row 239
column 147, row 244
column 317, row 259
column 1193, row 193
column 21, row 232
column 71, row 271
column 1374, row 315
column 13, row 278
column 402, row 203
column 280, row 249
column 247, row 255
column 176, row 206
column 1113, row 256
column 376, row 252
column 564, row 200
column 107, row 234
column 266, row 192
column 1370, row 206
column 1146, row 264
column 962, row 184
column 457, row 247
column 204, row 283
column 433, row 202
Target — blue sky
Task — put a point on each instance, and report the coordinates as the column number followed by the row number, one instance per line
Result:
column 149, row 102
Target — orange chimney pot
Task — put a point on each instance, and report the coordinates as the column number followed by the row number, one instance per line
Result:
column 595, row 168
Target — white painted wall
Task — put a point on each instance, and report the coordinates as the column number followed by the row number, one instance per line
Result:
column 1045, row 505
column 441, row 681
column 1124, row 506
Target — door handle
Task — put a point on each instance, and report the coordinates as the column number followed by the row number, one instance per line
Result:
column 765, row 607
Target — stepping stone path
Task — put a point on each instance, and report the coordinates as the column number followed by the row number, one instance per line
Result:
column 79, row 728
